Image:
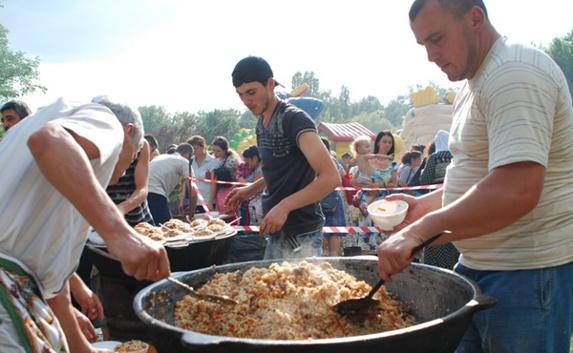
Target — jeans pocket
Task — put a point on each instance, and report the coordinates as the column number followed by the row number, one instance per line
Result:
column 546, row 287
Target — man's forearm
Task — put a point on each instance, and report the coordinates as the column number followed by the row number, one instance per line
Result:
column 134, row 200
column 497, row 201
column 62, row 307
column 257, row 186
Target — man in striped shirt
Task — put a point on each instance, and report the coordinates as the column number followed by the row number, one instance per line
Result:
column 508, row 195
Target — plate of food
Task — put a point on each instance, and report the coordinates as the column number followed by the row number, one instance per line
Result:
column 207, row 229
column 111, row 345
column 133, row 346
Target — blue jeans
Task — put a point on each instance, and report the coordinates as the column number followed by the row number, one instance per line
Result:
column 287, row 245
column 533, row 314
column 159, row 208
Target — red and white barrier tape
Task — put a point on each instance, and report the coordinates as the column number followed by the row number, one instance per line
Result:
column 334, row 230
column 343, row 188
column 200, row 197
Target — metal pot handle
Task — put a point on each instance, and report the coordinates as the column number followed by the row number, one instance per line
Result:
column 194, row 340
column 482, row 302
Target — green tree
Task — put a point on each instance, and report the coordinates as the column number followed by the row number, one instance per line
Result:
column 18, row 74
column 308, row 78
column 373, row 121
column 369, row 104
column 155, row 121
column 396, row 109
column 561, row 50
column 186, row 125
column 218, row 123
column 154, row 118
column 247, row 120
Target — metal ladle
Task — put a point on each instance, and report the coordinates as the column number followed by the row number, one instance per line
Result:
column 355, row 306
column 220, row 299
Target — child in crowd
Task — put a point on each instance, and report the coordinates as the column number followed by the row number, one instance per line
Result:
column 222, row 190
column 364, row 174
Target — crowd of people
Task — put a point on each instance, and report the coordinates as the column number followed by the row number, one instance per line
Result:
column 506, row 202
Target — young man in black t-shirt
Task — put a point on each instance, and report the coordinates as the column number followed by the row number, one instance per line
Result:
column 297, row 169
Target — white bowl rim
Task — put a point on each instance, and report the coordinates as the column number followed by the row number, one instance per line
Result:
column 387, row 214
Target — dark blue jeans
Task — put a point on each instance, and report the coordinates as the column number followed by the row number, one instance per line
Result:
column 533, row 314
column 159, row 208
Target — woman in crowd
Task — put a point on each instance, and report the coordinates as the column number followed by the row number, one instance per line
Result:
column 411, row 161
column 202, row 164
column 435, row 170
column 229, row 162
column 249, row 246
column 252, row 210
column 385, row 173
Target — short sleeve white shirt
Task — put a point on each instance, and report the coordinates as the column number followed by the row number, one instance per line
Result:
column 517, row 108
column 208, row 165
column 39, row 226
column 165, row 172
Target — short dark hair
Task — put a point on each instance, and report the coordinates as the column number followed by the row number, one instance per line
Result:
column 222, row 143
column 197, row 140
column 184, row 148
column 458, row 8
column 415, row 155
column 19, row 107
column 252, row 69
column 152, row 142
column 406, row 158
column 418, row 147
column 251, row 151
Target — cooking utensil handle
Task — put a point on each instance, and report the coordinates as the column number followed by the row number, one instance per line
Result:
column 376, row 287
column 102, row 253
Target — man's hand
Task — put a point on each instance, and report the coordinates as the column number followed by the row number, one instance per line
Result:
column 417, row 208
column 236, row 196
column 140, row 257
column 274, row 220
column 85, row 326
column 86, row 299
column 394, row 254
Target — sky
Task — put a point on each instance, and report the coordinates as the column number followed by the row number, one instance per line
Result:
column 180, row 54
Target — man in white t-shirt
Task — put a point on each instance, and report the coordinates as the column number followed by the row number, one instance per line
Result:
column 508, row 195
column 55, row 167
column 166, row 171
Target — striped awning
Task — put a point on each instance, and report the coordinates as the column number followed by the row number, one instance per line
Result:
column 344, row 132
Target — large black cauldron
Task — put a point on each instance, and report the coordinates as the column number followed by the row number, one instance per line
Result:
column 442, row 301
column 118, row 289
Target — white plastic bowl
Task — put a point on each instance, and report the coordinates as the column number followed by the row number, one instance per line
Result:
column 388, row 214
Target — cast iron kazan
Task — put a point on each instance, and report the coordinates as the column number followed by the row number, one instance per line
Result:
column 442, row 301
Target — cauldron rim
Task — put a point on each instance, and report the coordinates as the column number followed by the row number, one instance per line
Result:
column 478, row 302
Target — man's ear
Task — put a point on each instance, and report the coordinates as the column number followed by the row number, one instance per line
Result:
column 477, row 17
column 128, row 128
